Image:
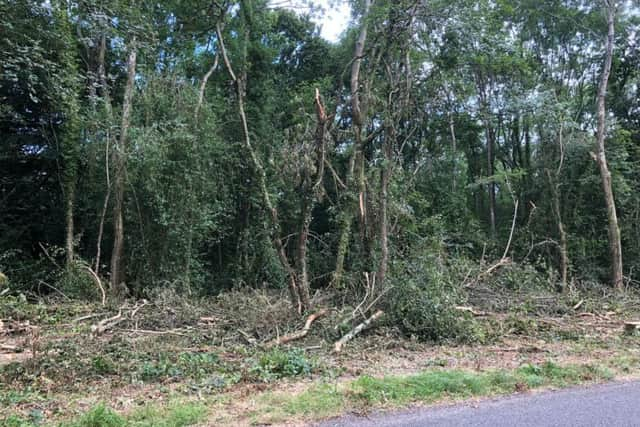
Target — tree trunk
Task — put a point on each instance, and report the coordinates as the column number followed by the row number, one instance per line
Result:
column 357, row 156
column 299, row 299
column 312, row 195
column 119, row 163
column 490, row 137
column 492, row 185
column 70, row 196
column 102, row 74
column 562, row 234
column 385, row 178
column 345, row 220
column 454, row 149
column 615, row 246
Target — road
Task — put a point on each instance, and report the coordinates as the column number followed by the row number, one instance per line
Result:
column 610, row 405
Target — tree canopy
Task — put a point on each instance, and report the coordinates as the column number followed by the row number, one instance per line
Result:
column 209, row 145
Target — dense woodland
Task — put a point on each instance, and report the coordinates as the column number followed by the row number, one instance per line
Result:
column 201, row 146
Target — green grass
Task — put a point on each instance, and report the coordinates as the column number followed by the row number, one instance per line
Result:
column 176, row 414
column 324, row 400
column 436, row 385
column 366, row 392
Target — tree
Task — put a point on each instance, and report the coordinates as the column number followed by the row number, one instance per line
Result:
column 615, row 246
column 119, row 161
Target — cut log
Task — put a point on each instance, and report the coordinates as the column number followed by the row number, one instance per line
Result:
column 337, row 347
column 299, row 334
column 471, row 310
column 10, row 348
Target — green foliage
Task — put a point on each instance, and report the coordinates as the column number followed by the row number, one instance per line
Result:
column 424, row 296
column 186, row 365
column 278, row 363
column 16, row 421
column 177, row 414
column 103, row 365
column 496, row 116
column 322, row 401
column 99, row 416
column 174, row 415
column 434, row 385
column 524, row 277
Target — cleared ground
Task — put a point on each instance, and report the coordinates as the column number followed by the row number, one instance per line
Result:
column 155, row 358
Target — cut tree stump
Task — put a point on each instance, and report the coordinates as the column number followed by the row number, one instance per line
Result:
column 631, row 327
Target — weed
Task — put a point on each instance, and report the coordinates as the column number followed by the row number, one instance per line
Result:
column 99, row 416
column 103, row 365
column 175, row 415
column 277, row 363
column 185, row 365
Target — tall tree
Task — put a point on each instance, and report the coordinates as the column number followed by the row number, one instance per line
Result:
column 119, row 162
column 615, row 245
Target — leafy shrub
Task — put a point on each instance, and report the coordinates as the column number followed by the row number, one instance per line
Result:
column 524, row 276
column 75, row 282
column 423, row 300
column 186, row 365
column 103, row 365
column 99, row 416
column 16, row 421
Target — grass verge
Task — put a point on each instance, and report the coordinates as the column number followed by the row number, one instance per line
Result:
column 326, row 400
column 176, row 414
column 366, row 392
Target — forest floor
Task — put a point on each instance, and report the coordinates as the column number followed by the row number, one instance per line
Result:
column 173, row 362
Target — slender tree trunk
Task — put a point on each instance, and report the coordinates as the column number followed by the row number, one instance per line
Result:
column 203, row 85
column 70, row 137
column 492, row 186
column 385, row 178
column 357, row 155
column 104, row 86
column 345, row 223
column 562, row 234
column 70, row 196
column 490, row 137
column 119, row 164
column 615, row 245
column 454, row 149
column 299, row 299
column 312, row 195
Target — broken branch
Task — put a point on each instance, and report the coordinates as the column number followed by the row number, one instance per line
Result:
column 337, row 347
column 299, row 334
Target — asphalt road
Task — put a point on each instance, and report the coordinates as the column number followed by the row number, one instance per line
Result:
column 611, row 405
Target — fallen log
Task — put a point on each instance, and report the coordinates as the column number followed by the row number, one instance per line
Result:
column 87, row 317
column 10, row 348
column 299, row 334
column 106, row 324
column 471, row 310
column 337, row 347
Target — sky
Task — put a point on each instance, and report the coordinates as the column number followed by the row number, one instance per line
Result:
column 333, row 22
